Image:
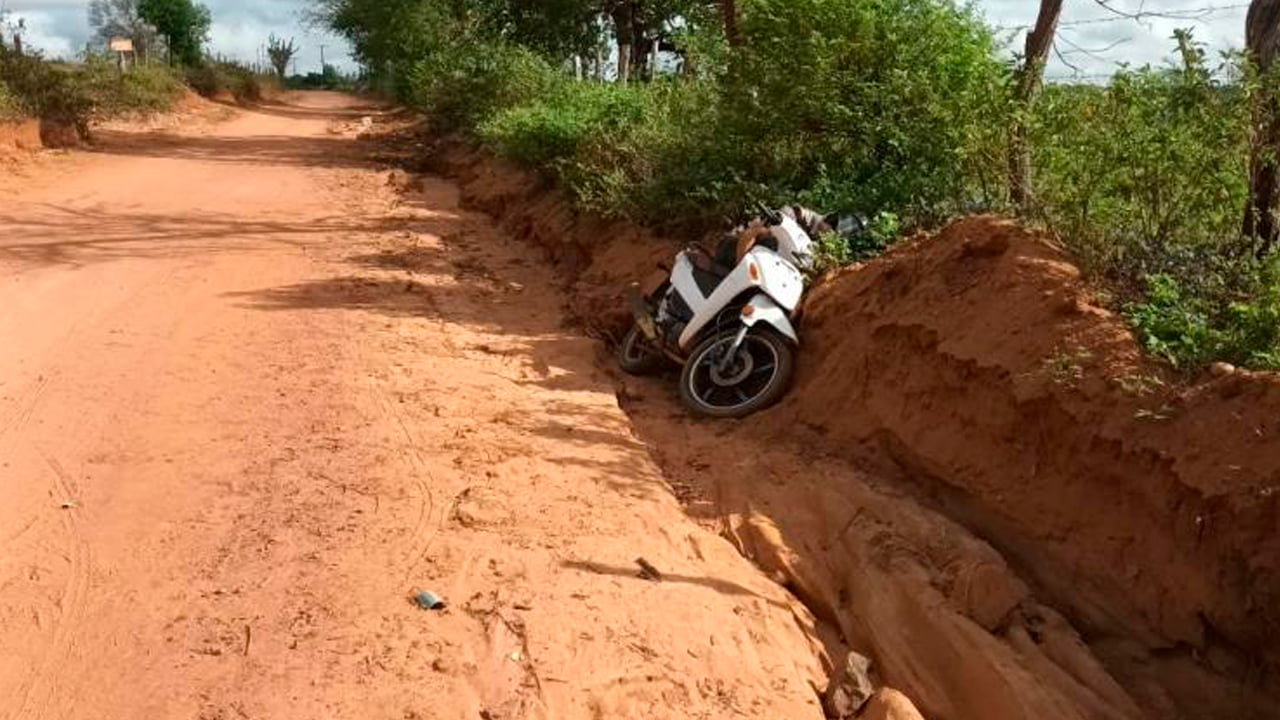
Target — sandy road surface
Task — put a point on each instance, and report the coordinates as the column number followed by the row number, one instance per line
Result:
column 250, row 401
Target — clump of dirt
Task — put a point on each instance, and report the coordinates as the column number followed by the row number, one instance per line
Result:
column 19, row 137
column 1144, row 506
column 977, row 360
column 977, row 478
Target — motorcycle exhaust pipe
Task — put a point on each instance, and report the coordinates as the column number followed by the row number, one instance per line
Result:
column 643, row 316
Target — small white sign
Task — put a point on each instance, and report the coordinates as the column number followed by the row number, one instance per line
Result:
column 121, row 44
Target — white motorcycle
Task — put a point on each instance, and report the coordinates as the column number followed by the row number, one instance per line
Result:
column 728, row 319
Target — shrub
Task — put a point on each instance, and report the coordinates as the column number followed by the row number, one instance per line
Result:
column 464, row 84
column 1147, row 176
column 214, row 78
column 619, row 149
column 10, row 107
column 77, row 93
column 893, row 105
column 46, row 90
column 142, row 90
column 1190, row 331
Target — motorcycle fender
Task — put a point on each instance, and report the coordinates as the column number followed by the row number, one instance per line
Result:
column 765, row 310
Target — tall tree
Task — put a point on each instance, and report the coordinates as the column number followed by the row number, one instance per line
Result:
column 184, row 25
column 120, row 18
column 281, row 53
column 1027, row 82
column 1262, row 42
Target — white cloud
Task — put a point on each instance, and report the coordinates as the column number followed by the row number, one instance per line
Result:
column 44, row 31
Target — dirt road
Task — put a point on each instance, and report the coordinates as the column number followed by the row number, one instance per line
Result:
column 251, row 401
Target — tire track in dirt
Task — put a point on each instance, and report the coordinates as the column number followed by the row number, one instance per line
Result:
column 38, row 695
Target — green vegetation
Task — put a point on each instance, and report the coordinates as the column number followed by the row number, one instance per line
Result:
column 902, row 110
column 329, row 79
column 183, row 24
column 10, row 108
column 281, row 53
column 78, row 93
column 215, row 78
column 98, row 87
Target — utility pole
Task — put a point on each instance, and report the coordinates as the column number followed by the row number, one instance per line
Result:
column 322, row 59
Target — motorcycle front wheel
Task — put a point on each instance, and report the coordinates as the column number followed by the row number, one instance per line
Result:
column 756, row 377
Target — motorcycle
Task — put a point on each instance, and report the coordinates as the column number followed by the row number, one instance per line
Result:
column 728, row 319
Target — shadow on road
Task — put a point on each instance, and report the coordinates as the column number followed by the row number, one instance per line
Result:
column 99, row 234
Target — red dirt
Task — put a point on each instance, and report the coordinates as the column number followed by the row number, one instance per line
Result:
column 980, row 483
column 19, row 136
column 251, row 399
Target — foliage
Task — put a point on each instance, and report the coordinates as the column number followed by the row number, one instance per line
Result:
column 1145, row 176
column 1145, row 180
column 868, row 106
column 79, row 93
column 898, row 109
column 463, row 84
column 834, row 250
column 45, row 90
column 142, row 90
column 281, row 53
column 1189, row 331
column 183, row 23
column 122, row 18
column 214, row 78
column 10, row 107
column 330, row 79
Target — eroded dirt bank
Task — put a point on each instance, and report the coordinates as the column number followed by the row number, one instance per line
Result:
column 251, row 400
column 976, row 479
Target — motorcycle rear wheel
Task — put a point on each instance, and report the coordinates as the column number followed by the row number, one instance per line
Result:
column 757, row 377
column 636, row 356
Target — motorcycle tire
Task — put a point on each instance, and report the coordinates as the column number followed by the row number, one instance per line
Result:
column 636, row 357
column 766, row 376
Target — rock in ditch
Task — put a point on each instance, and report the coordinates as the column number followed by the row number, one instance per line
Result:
column 889, row 704
column 849, row 688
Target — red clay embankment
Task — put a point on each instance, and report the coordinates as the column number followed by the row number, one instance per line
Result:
column 1057, row 502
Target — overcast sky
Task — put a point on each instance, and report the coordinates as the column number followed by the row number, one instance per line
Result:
column 1092, row 38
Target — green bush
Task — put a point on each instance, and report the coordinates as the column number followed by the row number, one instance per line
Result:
column 891, row 105
column 619, row 149
column 78, row 93
column 464, row 84
column 214, row 78
column 141, row 90
column 1146, row 176
column 1145, row 180
column 46, row 90
column 827, row 106
column 895, row 109
column 10, row 107
column 1191, row 331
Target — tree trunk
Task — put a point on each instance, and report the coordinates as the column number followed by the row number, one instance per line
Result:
column 729, row 9
column 1029, row 78
column 1262, row 41
column 624, row 63
column 624, row 30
